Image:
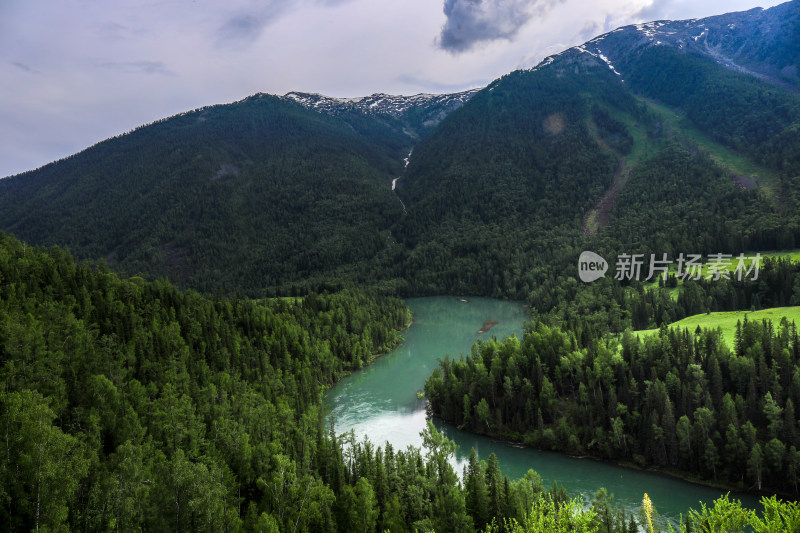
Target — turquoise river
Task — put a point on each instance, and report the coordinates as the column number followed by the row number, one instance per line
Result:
column 381, row 402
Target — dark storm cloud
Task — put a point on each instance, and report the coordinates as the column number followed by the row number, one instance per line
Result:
column 473, row 21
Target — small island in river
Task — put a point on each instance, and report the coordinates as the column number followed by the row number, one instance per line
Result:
column 487, row 325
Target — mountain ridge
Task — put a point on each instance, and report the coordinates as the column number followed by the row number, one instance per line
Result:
column 745, row 41
column 378, row 103
column 418, row 113
column 285, row 194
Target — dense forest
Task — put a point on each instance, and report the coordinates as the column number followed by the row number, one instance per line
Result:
column 129, row 405
column 680, row 401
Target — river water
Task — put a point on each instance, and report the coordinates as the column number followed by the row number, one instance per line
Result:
column 380, row 401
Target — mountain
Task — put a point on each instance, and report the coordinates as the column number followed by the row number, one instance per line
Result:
column 136, row 405
column 761, row 42
column 420, row 112
column 645, row 136
column 628, row 139
column 263, row 184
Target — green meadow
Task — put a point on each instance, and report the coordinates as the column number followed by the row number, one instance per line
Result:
column 726, row 320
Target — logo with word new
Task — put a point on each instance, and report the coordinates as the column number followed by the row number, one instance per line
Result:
column 591, row 267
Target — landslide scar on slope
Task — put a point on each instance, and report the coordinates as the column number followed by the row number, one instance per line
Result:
column 599, row 215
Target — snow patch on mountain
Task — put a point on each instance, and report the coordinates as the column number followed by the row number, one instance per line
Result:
column 607, row 62
column 379, row 103
column 543, row 63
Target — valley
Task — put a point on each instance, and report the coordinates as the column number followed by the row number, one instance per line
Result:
column 379, row 403
column 311, row 313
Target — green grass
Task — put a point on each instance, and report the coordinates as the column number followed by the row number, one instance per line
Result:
column 286, row 299
column 727, row 321
column 640, row 149
column 680, row 125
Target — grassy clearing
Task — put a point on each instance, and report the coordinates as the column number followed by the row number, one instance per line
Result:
column 727, row 321
column 680, row 125
column 641, row 147
column 286, row 299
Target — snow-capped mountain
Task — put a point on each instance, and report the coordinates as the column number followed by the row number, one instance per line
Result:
column 762, row 42
column 419, row 113
column 381, row 103
column 304, row 179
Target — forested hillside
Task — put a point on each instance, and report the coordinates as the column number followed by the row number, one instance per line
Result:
column 504, row 178
column 129, row 405
column 229, row 199
column 266, row 197
column 745, row 113
column 680, row 401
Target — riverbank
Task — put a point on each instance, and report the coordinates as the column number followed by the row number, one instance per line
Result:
column 379, row 402
column 630, row 465
column 375, row 356
column 400, row 341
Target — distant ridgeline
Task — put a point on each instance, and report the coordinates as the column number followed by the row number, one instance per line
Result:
column 667, row 136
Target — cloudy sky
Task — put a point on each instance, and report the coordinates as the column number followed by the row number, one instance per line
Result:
column 74, row 72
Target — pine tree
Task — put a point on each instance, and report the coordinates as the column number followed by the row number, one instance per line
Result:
column 477, row 497
column 494, row 485
column 789, row 424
